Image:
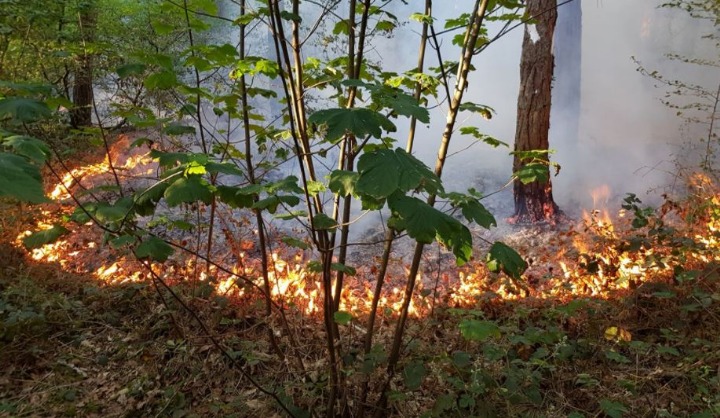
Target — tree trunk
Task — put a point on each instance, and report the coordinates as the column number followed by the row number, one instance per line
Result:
column 534, row 201
column 82, row 92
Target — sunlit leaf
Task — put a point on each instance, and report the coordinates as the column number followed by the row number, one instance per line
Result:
column 48, row 236
column 532, row 172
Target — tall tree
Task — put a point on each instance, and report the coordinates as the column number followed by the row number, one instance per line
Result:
column 82, row 93
column 533, row 199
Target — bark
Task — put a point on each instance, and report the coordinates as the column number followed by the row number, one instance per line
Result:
column 534, row 201
column 82, row 91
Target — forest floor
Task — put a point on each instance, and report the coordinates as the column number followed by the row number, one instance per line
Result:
column 74, row 344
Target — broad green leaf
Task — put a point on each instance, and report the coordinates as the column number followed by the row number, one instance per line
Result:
column 179, row 129
column 188, row 190
column 472, row 209
column 484, row 111
column 461, row 359
column 155, row 249
column 122, row 241
column 350, row 271
column 234, row 197
column 315, row 187
column 533, row 172
column 24, row 109
column 323, row 222
column 383, row 172
column 343, row 182
column 424, row 223
column 271, row 203
column 223, row 168
column 414, row 374
column 503, row 258
column 40, row 238
column 169, row 159
column 404, row 104
column 20, row 179
column 342, row 317
column 475, row 132
column 476, row 330
column 28, row 146
column 146, row 200
column 127, row 70
column 161, row 81
column 358, row 121
column 294, row 242
column 106, row 213
column 288, row 184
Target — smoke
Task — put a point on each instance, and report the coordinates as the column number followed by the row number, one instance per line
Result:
column 628, row 139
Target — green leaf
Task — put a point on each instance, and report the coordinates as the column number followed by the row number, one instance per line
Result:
column 188, row 190
column 24, row 109
column 424, row 223
column 155, row 249
column 613, row 409
column 20, row 179
column 532, row 172
column 234, row 197
column 169, row 159
column 315, row 187
column 271, row 203
column 472, row 209
column 476, row 330
column 161, row 81
column 122, row 241
column 461, row 359
column 342, row 317
column 383, row 172
column 414, row 374
column 146, row 200
column 505, row 259
column 357, row 121
column 27, row 146
column 223, row 168
column 294, row 242
column 178, row 129
column 343, row 182
column 106, row 213
column 127, row 70
column 40, row 238
column 484, row 111
column 350, row 271
column 323, row 222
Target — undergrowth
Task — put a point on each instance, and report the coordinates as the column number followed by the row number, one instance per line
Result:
column 73, row 347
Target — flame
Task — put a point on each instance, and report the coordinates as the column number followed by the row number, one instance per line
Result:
column 586, row 261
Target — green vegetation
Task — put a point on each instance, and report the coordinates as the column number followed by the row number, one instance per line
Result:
column 236, row 161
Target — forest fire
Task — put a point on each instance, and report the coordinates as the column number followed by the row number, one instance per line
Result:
column 590, row 259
